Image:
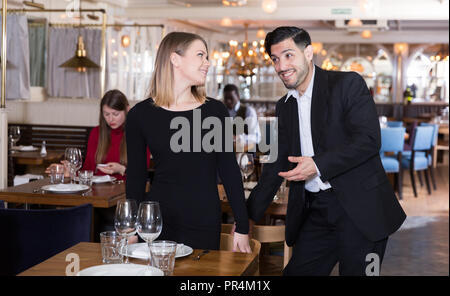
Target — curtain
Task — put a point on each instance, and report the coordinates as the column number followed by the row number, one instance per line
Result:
column 37, row 32
column 18, row 62
column 129, row 68
column 66, row 82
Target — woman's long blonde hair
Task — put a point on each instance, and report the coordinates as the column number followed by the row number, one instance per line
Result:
column 162, row 82
column 116, row 100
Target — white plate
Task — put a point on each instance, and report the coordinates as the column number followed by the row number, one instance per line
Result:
column 140, row 251
column 25, row 148
column 121, row 270
column 65, row 188
column 103, row 179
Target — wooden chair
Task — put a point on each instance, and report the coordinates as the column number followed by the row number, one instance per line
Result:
column 267, row 234
column 226, row 244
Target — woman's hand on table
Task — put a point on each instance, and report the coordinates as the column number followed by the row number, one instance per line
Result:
column 66, row 168
column 241, row 243
column 113, row 168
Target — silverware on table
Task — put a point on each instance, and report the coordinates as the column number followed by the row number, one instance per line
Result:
column 86, row 192
column 204, row 252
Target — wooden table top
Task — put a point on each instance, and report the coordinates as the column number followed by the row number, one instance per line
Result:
column 103, row 195
column 215, row 263
column 35, row 158
column 277, row 207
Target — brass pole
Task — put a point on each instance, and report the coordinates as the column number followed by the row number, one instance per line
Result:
column 3, row 99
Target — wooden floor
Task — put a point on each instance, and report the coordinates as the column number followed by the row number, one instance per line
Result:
column 421, row 245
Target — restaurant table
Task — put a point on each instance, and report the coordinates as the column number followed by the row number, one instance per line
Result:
column 277, row 207
column 103, row 195
column 35, row 158
column 215, row 263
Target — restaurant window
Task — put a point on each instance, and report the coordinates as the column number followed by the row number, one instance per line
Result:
column 372, row 61
column 428, row 74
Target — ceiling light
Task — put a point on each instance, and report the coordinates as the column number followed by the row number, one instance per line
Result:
column 226, row 22
column 366, row 34
column 234, row 2
column 269, row 6
column 355, row 22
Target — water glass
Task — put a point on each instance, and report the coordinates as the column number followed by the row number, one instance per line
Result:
column 85, row 177
column 163, row 255
column 111, row 243
column 57, row 174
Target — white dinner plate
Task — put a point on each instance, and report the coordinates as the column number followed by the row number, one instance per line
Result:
column 65, row 188
column 24, row 148
column 140, row 251
column 121, row 270
column 103, row 179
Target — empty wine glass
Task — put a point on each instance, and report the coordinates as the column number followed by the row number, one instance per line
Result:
column 149, row 222
column 14, row 135
column 125, row 222
column 75, row 160
column 247, row 165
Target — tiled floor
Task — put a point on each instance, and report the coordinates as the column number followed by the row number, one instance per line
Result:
column 421, row 246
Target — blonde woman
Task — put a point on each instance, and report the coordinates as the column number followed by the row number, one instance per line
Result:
column 185, row 182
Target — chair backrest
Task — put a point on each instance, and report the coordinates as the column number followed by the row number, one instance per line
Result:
column 395, row 123
column 392, row 139
column 267, row 234
column 423, row 136
column 226, row 244
column 32, row 236
column 435, row 132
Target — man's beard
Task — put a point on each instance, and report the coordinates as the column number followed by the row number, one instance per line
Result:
column 300, row 78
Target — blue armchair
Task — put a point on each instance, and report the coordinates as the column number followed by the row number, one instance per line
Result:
column 395, row 123
column 416, row 161
column 32, row 236
column 392, row 140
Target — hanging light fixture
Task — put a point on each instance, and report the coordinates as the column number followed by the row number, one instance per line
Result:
column 243, row 59
column 80, row 61
column 366, row 34
column 269, row 6
column 33, row 4
column 261, row 34
column 234, row 2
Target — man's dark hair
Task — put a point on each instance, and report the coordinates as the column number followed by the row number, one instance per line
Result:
column 300, row 37
column 231, row 87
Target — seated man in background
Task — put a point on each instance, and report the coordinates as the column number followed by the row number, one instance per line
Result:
column 252, row 134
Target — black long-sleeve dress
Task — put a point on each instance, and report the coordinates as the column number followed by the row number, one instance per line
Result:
column 185, row 182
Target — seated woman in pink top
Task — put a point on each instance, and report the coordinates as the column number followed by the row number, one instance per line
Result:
column 106, row 149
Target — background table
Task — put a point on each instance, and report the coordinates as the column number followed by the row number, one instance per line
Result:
column 215, row 263
column 103, row 195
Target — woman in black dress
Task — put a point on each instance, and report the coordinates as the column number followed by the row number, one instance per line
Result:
column 185, row 180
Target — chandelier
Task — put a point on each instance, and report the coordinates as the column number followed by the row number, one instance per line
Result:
column 242, row 59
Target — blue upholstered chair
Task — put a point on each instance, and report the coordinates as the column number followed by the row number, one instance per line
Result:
column 416, row 161
column 395, row 123
column 32, row 236
column 392, row 140
column 431, row 156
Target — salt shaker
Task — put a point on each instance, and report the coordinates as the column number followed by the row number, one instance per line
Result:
column 43, row 149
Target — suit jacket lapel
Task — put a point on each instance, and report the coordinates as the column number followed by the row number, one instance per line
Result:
column 319, row 106
column 295, row 149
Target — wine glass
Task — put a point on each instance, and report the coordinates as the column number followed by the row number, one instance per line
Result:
column 14, row 135
column 149, row 222
column 125, row 222
column 75, row 160
column 247, row 165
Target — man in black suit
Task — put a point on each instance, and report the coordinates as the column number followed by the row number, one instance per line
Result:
column 341, row 206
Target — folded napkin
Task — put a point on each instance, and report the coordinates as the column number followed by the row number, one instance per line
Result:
column 23, row 179
column 65, row 187
column 100, row 179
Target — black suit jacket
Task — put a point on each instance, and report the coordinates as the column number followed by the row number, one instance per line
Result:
column 346, row 140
